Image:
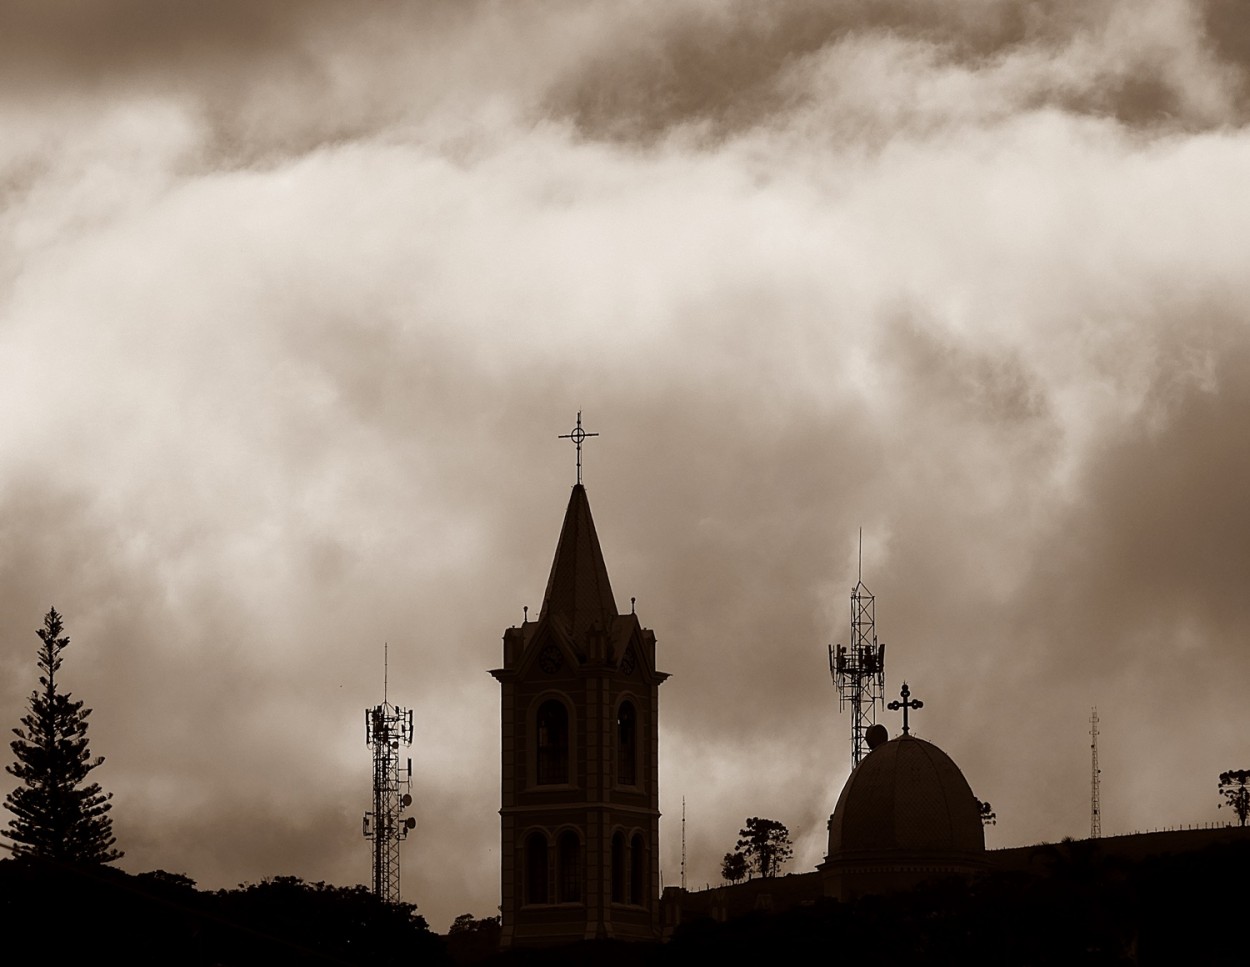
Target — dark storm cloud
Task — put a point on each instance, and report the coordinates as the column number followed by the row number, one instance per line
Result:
column 726, row 67
column 266, row 80
column 121, row 35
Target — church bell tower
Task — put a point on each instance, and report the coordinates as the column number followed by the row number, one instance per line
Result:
column 580, row 810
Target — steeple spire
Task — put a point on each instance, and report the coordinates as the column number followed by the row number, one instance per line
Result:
column 578, row 591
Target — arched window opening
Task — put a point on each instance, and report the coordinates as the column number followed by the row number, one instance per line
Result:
column 618, row 868
column 627, row 745
column 536, row 868
column 570, row 859
column 637, row 869
column 553, row 743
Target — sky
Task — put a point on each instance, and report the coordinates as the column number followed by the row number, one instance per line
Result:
column 297, row 297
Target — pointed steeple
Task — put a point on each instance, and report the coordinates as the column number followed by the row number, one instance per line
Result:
column 578, row 592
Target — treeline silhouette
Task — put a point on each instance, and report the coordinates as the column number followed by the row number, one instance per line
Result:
column 66, row 912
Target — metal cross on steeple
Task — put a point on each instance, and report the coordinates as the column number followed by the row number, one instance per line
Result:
column 905, row 704
column 578, row 436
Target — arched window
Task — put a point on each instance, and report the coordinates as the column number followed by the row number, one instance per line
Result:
column 570, row 858
column 637, row 869
column 553, row 743
column 627, row 745
column 535, row 868
column 618, row 868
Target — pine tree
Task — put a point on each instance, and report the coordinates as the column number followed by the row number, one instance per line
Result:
column 766, row 845
column 57, row 814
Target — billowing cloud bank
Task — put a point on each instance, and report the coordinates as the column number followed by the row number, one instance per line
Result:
column 295, row 297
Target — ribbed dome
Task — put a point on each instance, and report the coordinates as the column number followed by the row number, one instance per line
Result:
column 906, row 795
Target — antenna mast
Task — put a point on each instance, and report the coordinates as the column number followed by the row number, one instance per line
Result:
column 683, row 842
column 858, row 669
column 1095, row 809
column 388, row 726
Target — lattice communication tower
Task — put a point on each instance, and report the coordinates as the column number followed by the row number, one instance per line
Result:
column 858, row 669
column 387, row 727
column 1095, row 808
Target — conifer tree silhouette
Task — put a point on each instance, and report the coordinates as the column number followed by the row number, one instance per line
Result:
column 57, row 815
column 1235, row 787
column 766, row 845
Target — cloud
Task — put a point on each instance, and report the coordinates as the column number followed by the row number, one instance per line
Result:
column 888, row 65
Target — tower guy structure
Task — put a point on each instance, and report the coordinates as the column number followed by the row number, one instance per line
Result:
column 858, row 668
column 387, row 727
column 1095, row 807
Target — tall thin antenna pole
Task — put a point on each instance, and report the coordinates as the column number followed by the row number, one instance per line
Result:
column 387, row 727
column 858, row 669
column 1095, row 808
column 683, row 842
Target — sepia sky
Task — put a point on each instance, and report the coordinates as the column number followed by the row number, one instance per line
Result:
column 296, row 297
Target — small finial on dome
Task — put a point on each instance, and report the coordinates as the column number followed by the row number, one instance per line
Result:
column 876, row 735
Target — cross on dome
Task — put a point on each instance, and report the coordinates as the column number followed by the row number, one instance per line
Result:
column 905, row 704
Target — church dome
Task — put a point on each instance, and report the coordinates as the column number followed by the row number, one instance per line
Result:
column 907, row 795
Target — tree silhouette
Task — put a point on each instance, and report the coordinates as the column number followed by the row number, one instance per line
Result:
column 1233, row 787
column 471, row 941
column 57, row 815
column 285, row 920
column 734, row 867
column 766, row 845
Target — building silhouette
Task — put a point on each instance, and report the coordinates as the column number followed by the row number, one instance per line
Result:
column 905, row 815
column 579, row 818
